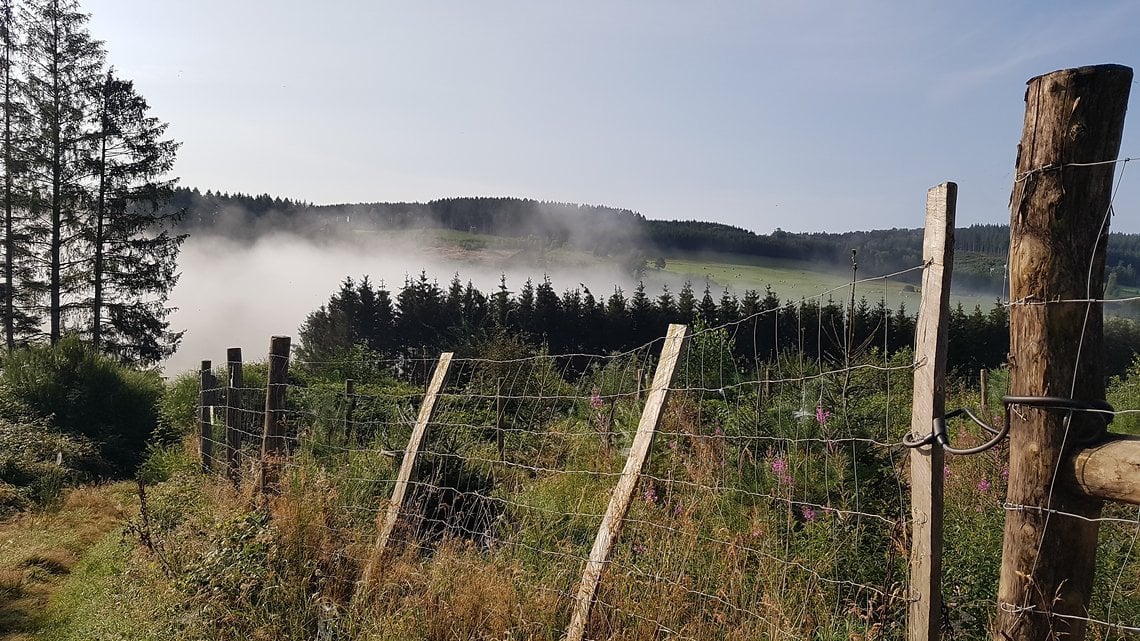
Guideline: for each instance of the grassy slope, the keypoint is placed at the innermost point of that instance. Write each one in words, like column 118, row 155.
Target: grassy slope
column 61, row 571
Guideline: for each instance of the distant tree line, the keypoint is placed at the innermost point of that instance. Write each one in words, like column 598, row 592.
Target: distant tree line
column 980, row 262
column 86, row 249
column 424, row 318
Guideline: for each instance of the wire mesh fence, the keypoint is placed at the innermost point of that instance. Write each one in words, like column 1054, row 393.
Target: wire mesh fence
column 773, row 502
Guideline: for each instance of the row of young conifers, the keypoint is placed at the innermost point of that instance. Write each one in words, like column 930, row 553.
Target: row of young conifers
column 774, row 503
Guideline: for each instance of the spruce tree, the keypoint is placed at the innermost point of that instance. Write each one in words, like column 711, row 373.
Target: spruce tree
column 64, row 66
column 133, row 251
column 16, row 297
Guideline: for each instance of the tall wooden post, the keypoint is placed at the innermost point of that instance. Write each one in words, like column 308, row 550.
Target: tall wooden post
column 1059, row 214
column 234, row 414
column 273, row 435
column 924, row 614
column 675, row 341
column 983, row 375
column 206, row 385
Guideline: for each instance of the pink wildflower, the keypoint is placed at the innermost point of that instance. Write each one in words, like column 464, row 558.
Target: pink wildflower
column 779, row 466
column 821, row 415
column 650, row 495
column 1005, row 473
column 596, row 399
column 984, row 486
column 945, row 471
column 809, row 514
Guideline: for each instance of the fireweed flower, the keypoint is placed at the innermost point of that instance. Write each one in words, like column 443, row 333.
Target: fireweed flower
column 596, row 399
column 779, row 466
column 650, row 495
column 821, row 415
column 809, row 514
column 983, row 486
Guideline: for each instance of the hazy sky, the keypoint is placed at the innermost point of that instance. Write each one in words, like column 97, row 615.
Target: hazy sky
column 801, row 115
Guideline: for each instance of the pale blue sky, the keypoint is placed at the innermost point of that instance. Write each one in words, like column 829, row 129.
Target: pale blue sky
column 807, row 116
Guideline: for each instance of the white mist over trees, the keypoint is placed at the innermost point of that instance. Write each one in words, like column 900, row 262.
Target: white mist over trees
column 84, row 168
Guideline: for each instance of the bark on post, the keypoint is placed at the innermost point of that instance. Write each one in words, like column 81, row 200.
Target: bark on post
column 233, row 414
column 206, row 386
column 1108, row 470
column 924, row 614
column 273, row 435
column 983, row 375
column 1058, row 228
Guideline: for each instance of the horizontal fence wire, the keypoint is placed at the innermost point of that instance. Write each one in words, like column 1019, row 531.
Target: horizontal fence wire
column 774, row 503
column 1113, row 611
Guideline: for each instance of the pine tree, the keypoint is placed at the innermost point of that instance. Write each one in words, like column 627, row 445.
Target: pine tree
column 63, row 78
column 18, row 271
column 134, row 255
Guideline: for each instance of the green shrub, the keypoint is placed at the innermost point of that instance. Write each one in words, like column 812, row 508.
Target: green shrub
column 36, row 463
column 85, row 393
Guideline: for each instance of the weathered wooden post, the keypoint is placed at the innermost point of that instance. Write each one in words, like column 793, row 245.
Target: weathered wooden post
column 349, row 408
column 407, row 467
column 1059, row 214
column 924, row 613
column 234, row 414
column 983, row 375
column 273, row 434
column 675, row 341
column 206, row 385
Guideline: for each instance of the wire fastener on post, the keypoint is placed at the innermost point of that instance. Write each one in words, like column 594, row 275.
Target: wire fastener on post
column 940, row 435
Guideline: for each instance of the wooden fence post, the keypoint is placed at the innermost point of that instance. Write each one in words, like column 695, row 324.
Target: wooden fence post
column 924, row 612
column 206, row 385
column 1059, row 213
column 983, row 376
column 273, row 434
column 234, row 415
column 407, row 466
column 349, row 408
column 671, row 351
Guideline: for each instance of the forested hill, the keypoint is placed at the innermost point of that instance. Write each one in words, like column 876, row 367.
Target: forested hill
column 608, row 231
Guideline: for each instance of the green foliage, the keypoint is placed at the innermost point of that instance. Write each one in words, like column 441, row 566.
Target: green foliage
column 88, row 394
column 37, row 463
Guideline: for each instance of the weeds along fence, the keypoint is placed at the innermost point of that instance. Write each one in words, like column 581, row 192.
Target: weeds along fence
column 669, row 490
column 678, row 491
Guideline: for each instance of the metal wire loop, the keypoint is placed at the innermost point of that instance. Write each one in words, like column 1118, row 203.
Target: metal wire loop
column 940, row 435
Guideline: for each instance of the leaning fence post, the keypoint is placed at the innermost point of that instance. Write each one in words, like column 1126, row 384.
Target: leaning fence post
column 671, row 351
column 924, row 613
column 206, row 385
column 407, row 465
column 273, row 434
column 1059, row 215
column 233, row 414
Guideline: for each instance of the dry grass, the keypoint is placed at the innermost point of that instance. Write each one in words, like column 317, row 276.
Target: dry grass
column 39, row 550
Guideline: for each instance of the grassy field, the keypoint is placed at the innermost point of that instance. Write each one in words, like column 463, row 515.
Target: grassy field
column 789, row 279
column 793, row 279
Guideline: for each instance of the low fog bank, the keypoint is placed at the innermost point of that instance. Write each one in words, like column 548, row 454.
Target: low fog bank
column 238, row 294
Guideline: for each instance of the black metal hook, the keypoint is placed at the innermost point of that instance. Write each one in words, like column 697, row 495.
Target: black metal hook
column 940, row 436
